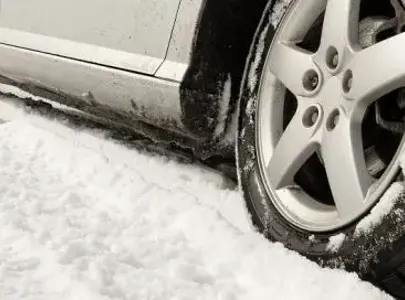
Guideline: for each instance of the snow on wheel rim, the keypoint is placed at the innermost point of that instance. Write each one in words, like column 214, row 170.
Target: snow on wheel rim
column 333, row 87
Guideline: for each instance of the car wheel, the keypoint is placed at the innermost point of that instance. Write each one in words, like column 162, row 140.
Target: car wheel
column 322, row 113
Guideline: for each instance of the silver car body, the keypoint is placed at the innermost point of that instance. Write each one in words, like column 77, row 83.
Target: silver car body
column 174, row 65
column 136, row 51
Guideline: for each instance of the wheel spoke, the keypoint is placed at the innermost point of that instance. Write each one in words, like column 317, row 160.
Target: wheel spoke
column 340, row 26
column 292, row 151
column 378, row 70
column 343, row 156
column 289, row 64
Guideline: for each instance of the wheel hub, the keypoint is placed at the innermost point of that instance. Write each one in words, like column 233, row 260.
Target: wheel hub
column 333, row 87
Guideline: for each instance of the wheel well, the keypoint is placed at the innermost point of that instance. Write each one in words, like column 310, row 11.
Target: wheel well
column 221, row 46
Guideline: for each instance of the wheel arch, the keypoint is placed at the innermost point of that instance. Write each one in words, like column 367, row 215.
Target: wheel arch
column 210, row 89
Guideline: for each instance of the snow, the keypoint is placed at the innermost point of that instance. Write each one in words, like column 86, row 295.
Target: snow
column 279, row 8
column 13, row 90
column 83, row 217
column 276, row 15
column 381, row 209
column 335, row 242
column 232, row 129
column 224, row 107
column 252, row 76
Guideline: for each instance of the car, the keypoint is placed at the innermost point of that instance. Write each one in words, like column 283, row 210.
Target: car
column 306, row 95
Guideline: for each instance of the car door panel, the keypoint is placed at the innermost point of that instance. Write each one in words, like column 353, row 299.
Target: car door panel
column 181, row 44
column 127, row 34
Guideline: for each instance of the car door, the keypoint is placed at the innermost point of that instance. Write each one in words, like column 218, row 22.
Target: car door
column 126, row 34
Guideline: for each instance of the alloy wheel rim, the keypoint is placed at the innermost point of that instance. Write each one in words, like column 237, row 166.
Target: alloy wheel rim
column 334, row 86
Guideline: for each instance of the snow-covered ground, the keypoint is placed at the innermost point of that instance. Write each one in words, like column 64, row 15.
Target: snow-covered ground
column 82, row 217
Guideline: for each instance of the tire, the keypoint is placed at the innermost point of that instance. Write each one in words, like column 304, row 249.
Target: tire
column 377, row 255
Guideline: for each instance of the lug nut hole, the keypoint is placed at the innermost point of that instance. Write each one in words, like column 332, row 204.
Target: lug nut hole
column 332, row 58
column 347, row 81
column 333, row 120
column 310, row 80
column 310, row 117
